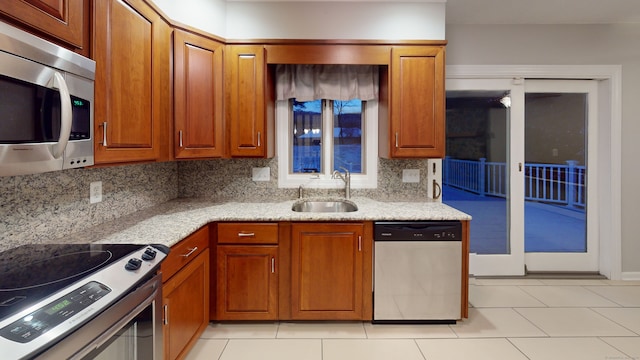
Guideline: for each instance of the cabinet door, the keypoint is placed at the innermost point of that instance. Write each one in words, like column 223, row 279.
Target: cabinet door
column 247, row 282
column 133, row 103
column 417, row 102
column 248, row 98
column 327, row 271
column 62, row 20
column 186, row 307
column 198, row 96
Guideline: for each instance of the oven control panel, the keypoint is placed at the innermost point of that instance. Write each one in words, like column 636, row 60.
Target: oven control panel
column 54, row 313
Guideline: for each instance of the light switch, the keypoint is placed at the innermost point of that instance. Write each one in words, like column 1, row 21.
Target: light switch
column 411, row 175
column 95, row 192
column 261, row 174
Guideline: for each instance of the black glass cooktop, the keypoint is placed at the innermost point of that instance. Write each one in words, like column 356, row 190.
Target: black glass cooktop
column 30, row 273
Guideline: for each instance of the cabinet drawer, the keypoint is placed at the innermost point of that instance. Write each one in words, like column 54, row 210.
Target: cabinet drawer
column 185, row 251
column 248, row 233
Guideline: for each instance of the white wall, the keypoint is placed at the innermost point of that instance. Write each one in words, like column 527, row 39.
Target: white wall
column 571, row 45
column 311, row 20
column 206, row 15
column 335, row 20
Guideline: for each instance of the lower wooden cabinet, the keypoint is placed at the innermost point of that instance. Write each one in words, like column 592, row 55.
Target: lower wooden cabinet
column 247, row 287
column 185, row 294
column 331, row 271
column 247, row 276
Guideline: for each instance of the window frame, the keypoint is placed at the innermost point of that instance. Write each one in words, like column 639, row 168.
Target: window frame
column 323, row 180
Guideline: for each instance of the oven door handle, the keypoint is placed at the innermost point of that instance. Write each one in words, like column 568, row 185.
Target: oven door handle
column 151, row 287
column 82, row 341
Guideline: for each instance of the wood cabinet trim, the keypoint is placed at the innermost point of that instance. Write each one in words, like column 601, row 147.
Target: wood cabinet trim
column 65, row 23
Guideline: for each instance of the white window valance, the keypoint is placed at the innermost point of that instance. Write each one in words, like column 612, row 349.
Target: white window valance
column 333, row 82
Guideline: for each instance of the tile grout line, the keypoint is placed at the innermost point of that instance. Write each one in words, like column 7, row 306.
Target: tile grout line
column 612, row 320
column 604, row 297
column 604, row 341
column 516, row 346
column 530, row 321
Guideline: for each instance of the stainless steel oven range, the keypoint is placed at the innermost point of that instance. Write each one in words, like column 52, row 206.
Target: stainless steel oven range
column 81, row 301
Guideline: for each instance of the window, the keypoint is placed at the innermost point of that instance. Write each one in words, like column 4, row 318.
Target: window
column 326, row 120
column 343, row 145
column 308, row 153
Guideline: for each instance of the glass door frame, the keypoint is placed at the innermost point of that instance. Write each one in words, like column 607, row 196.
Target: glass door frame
column 511, row 264
column 584, row 261
column 609, row 138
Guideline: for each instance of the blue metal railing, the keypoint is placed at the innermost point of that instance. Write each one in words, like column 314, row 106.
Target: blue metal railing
column 549, row 183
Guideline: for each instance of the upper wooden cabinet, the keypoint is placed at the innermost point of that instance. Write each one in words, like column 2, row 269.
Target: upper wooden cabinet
column 250, row 106
column 198, row 96
column 132, row 50
column 63, row 21
column 413, row 125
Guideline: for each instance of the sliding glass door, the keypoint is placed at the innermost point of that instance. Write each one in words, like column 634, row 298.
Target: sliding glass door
column 484, row 135
column 560, row 211
column 517, row 161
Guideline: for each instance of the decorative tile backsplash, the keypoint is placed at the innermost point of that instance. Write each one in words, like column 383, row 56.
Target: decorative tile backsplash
column 231, row 178
column 40, row 207
column 43, row 207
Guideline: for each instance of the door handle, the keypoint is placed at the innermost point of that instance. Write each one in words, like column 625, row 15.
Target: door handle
column 191, row 251
column 104, row 134
column 66, row 115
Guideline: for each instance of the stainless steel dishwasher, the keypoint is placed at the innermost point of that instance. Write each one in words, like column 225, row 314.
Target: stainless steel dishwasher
column 418, row 272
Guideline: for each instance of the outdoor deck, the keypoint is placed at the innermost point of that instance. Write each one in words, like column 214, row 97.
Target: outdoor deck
column 548, row 228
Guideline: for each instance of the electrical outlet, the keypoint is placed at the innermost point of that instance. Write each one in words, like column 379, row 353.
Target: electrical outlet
column 95, row 192
column 261, row 174
column 411, row 175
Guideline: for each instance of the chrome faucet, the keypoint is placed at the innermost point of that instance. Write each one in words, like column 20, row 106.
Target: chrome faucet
column 346, row 177
column 300, row 192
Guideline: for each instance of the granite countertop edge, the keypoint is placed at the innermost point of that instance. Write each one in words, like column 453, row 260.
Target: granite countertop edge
column 170, row 222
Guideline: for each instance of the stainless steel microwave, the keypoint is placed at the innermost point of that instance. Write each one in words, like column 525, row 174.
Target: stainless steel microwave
column 46, row 105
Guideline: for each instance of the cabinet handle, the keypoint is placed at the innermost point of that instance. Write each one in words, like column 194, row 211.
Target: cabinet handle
column 246, row 234
column 259, row 138
column 396, row 140
column 180, row 138
column 165, row 315
column 359, row 243
column 273, row 265
column 191, row 251
column 104, row 134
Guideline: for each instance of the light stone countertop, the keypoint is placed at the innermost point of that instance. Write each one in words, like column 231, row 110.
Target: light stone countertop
column 171, row 222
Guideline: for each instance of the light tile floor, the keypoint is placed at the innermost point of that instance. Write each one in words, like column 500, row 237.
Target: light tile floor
column 511, row 319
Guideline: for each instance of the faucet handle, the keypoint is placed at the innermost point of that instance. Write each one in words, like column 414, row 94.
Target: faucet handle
column 346, row 171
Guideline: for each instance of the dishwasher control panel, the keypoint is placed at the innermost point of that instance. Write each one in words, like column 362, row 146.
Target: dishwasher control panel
column 417, row 231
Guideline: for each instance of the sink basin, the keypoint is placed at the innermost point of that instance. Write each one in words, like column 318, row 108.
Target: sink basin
column 324, row 206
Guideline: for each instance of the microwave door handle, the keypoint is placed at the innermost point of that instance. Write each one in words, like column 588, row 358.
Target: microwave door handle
column 65, row 115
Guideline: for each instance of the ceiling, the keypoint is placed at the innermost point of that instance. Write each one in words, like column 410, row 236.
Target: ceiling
column 527, row 11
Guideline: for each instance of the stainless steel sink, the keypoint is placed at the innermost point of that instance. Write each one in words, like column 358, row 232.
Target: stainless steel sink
column 324, row 206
